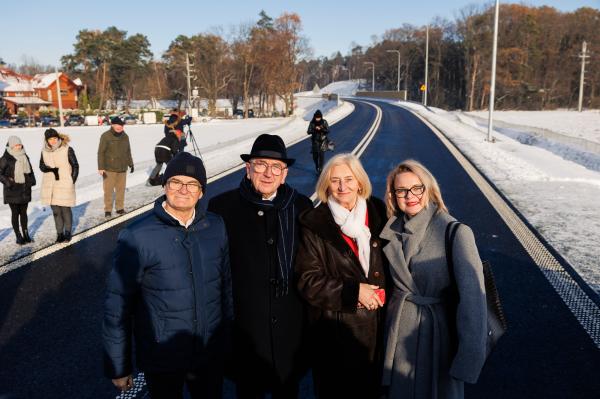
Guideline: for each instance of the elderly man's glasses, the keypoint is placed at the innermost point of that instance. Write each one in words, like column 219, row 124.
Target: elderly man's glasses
column 415, row 190
column 176, row 185
column 261, row 167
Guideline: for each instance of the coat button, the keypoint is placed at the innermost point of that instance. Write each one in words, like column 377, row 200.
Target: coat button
column 270, row 241
column 375, row 244
column 260, row 213
column 273, row 320
column 273, row 281
column 376, row 274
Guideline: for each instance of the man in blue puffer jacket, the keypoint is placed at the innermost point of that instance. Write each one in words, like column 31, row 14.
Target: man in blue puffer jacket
column 169, row 291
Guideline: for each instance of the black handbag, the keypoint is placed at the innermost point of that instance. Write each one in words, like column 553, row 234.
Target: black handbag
column 496, row 319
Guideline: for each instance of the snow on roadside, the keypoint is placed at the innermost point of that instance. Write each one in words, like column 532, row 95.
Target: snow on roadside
column 584, row 124
column 220, row 142
column 557, row 196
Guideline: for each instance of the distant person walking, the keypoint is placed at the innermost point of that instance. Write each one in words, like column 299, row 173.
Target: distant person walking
column 318, row 128
column 16, row 174
column 114, row 157
column 60, row 167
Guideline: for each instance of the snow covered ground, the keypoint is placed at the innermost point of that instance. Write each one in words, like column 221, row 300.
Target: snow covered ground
column 220, row 142
column 570, row 123
column 557, row 192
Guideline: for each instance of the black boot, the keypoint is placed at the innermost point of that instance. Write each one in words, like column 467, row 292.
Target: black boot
column 67, row 236
column 20, row 239
column 60, row 237
column 26, row 236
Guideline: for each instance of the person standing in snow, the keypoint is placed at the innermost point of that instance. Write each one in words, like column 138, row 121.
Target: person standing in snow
column 60, row 167
column 114, row 156
column 16, row 174
column 318, row 128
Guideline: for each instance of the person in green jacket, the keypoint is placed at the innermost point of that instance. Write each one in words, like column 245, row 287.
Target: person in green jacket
column 114, row 157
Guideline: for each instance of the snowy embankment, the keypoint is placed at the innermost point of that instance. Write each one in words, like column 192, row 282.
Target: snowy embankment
column 220, row 143
column 557, row 192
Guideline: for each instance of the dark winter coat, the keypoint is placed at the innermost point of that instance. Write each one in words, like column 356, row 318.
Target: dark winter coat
column 171, row 288
column 346, row 341
column 114, row 152
column 318, row 136
column 15, row 193
column 269, row 329
column 166, row 148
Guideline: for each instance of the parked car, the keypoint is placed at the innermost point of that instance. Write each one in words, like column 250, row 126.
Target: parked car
column 49, row 121
column 23, row 122
column 129, row 119
column 75, row 120
column 239, row 113
column 4, row 123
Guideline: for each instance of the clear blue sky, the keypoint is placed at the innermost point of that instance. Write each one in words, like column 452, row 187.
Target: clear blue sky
column 46, row 30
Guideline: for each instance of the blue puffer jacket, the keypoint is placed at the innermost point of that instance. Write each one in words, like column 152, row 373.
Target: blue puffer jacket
column 170, row 287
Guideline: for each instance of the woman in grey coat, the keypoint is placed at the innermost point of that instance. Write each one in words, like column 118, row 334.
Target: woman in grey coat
column 432, row 345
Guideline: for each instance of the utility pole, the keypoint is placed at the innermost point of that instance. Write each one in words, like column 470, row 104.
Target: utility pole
column 397, row 51
column 189, row 84
column 426, row 67
column 373, row 74
column 583, row 57
column 493, row 83
column 60, row 108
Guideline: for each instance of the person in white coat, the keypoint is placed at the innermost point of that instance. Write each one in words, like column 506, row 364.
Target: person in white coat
column 60, row 167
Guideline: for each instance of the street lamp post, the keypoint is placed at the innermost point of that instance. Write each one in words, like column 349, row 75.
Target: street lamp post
column 426, row 67
column 493, row 82
column 373, row 74
column 397, row 51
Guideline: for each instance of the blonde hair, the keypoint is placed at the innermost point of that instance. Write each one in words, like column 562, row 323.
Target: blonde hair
column 432, row 189
column 352, row 162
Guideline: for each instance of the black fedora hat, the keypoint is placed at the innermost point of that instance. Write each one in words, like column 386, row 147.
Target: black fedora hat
column 268, row 146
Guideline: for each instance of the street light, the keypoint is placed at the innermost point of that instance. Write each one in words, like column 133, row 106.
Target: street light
column 373, row 78
column 493, row 82
column 397, row 51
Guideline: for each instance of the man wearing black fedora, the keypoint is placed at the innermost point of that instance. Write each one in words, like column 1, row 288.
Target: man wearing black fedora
column 261, row 217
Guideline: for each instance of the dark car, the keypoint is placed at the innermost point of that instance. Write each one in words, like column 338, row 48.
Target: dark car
column 239, row 113
column 23, row 122
column 49, row 121
column 4, row 123
column 75, row 120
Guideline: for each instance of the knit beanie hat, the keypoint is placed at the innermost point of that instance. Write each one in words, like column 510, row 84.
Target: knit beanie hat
column 185, row 164
column 13, row 141
column 49, row 133
column 318, row 114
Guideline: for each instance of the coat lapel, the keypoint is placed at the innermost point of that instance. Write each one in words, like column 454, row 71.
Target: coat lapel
column 395, row 255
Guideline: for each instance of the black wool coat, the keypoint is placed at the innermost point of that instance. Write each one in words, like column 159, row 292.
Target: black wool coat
column 268, row 330
column 346, row 341
column 15, row 193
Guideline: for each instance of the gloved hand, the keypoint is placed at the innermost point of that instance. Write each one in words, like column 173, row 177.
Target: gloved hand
column 131, row 169
column 55, row 171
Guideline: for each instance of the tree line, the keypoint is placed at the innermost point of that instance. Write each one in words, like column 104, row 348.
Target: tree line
column 537, row 64
column 257, row 64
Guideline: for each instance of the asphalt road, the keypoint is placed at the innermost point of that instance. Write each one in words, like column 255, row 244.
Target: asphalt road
column 51, row 309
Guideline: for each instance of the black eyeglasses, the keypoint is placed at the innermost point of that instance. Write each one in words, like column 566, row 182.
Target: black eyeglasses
column 415, row 190
column 176, row 185
column 261, row 167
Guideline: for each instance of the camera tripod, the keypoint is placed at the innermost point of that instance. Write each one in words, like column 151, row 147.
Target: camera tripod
column 190, row 138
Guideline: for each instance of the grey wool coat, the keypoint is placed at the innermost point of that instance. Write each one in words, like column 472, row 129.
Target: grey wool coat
column 432, row 345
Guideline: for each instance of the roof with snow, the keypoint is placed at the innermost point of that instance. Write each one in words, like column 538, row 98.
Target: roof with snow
column 43, row 80
column 12, row 81
column 26, row 100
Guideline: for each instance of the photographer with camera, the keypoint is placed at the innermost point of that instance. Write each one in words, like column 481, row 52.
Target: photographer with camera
column 164, row 151
column 318, row 129
column 176, row 122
